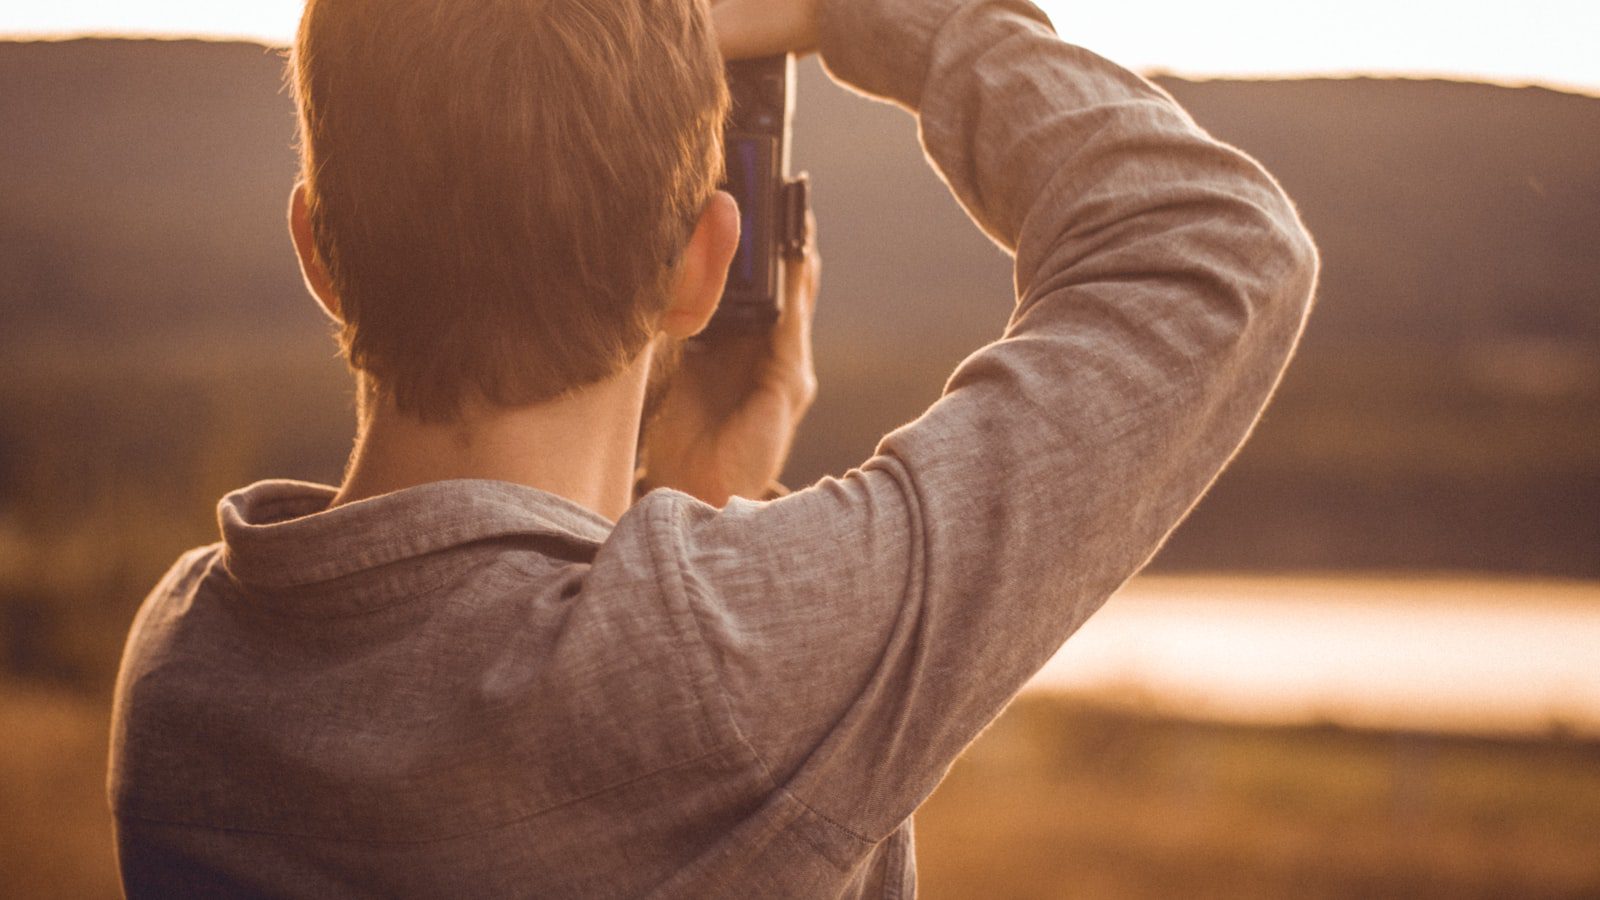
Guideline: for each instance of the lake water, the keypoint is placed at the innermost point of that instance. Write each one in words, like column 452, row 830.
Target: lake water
column 1451, row 654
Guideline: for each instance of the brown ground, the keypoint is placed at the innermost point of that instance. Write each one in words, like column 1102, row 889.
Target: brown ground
column 55, row 834
column 1061, row 800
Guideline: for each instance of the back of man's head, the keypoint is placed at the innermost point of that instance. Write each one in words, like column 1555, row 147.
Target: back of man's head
column 498, row 188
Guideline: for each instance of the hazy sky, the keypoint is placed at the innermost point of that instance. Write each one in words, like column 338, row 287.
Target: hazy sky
column 1550, row 41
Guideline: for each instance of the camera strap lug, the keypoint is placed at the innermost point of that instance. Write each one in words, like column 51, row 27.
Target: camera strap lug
column 796, row 204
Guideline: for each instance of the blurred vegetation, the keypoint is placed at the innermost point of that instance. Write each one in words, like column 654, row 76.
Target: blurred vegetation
column 55, row 836
column 111, row 468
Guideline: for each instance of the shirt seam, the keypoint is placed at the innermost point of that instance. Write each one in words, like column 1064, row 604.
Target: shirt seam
column 694, row 637
column 901, row 474
column 739, row 734
column 726, row 882
column 416, row 591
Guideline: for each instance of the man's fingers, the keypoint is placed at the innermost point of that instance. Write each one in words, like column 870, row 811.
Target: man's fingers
column 791, row 339
column 810, row 268
column 801, row 277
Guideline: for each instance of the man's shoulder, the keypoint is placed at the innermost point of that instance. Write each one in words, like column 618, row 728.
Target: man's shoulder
column 189, row 568
column 145, row 648
column 562, row 676
column 179, row 582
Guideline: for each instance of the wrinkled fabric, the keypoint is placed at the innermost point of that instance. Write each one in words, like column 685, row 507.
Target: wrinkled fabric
column 480, row 689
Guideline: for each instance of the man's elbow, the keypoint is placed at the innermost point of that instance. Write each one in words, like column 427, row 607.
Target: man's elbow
column 1305, row 265
column 1291, row 268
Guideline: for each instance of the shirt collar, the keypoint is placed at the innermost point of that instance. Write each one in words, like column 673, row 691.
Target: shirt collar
column 281, row 536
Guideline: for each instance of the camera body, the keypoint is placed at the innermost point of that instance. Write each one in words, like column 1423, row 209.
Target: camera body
column 772, row 206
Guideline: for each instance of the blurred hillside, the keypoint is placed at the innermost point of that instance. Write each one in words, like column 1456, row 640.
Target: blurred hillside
column 157, row 349
column 145, row 179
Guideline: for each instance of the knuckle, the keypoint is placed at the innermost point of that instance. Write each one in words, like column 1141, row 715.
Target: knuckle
column 807, row 388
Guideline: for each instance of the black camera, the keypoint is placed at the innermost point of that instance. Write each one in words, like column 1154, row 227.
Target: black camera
column 772, row 206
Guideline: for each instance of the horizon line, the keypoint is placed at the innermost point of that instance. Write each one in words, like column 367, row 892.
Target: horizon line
column 1557, row 85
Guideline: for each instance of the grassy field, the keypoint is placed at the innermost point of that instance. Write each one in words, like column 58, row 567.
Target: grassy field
column 55, row 833
column 1065, row 800
column 1061, row 799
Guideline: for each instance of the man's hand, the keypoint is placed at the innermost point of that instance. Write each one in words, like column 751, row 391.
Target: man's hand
column 751, row 28
column 728, row 421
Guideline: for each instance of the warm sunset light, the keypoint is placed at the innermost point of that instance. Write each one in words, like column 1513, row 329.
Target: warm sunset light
column 1504, row 656
column 1545, row 41
column 433, row 464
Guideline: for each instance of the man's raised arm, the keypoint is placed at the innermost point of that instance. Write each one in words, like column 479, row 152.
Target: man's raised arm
column 861, row 632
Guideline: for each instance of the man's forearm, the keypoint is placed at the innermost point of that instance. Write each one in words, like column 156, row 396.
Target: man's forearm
column 1162, row 281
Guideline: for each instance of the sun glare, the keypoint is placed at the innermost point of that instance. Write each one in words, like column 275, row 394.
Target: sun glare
column 1507, row 655
column 1539, row 41
column 269, row 21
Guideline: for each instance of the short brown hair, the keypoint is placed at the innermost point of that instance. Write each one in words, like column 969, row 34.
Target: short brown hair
column 499, row 188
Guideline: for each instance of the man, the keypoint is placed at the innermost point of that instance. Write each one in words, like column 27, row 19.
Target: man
column 480, row 667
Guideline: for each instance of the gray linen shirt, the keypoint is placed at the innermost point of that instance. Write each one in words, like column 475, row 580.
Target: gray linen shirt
column 478, row 689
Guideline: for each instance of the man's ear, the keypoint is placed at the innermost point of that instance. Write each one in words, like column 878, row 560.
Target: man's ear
column 305, row 246
column 703, row 268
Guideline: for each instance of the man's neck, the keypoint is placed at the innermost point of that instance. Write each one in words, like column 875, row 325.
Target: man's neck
column 581, row 446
